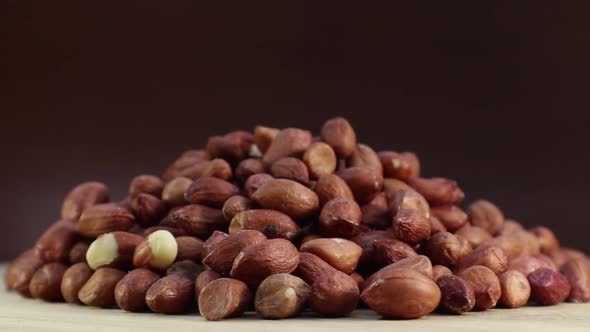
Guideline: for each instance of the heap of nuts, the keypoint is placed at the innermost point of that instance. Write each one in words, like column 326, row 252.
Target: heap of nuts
column 280, row 221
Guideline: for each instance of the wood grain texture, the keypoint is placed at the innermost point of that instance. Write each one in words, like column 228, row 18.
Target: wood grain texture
column 19, row 314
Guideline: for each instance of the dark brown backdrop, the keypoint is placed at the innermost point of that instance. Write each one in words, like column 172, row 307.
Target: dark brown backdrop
column 491, row 94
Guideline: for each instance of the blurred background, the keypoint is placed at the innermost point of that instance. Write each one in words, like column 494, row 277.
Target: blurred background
column 492, row 94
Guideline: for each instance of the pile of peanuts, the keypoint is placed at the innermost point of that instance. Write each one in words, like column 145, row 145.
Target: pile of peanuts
column 281, row 222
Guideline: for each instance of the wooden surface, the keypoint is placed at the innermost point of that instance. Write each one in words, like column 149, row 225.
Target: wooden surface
column 19, row 314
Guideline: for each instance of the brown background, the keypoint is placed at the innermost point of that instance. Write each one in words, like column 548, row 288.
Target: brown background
column 490, row 94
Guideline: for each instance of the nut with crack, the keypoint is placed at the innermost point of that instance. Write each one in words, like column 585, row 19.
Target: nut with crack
column 281, row 296
column 113, row 250
column 158, row 251
column 224, row 298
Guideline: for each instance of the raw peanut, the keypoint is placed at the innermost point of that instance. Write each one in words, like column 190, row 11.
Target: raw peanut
column 342, row 254
column 181, row 163
column 528, row 264
column 443, row 248
column 258, row 261
column 19, row 273
column 217, row 168
column 548, row 287
column 215, row 237
column 173, row 294
column 340, row 217
column 334, row 294
column 244, row 139
column 158, row 251
column 45, row 283
column 186, row 167
column 203, row 279
column 247, row 168
column 263, row 137
column 104, row 218
column 57, row 241
column 223, row 253
column 375, row 214
column 366, row 241
column 147, row 209
column 235, row 205
column 548, row 260
column 457, row 296
column 466, row 248
column 289, row 142
column 439, row 271
column 438, row 191
column 311, row 267
column 289, row 197
column 186, row 268
column 417, row 263
column 224, row 298
column 485, row 284
column 515, row 289
column 78, row 252
column 225, row 148
column 401, row 166
column 197, row 154
column 338, row 133
column 563, row 255
column 547, row 239
column 99, row 290
column 189, row 248
column 530, row 243
column 364, row 156
column 199, row 220
column 210, row 191
column 364, row 182
column 411, row 226
column 125, row 203
column 577, row 272
column 72, row 281
column 451, row 216
column 186, row 160
column 130, row 291
column 290, row 168
column 402, row 293
column 494, row 258
column 474, row 235
column 330, row 186
column 281, row 296
column 309, row 237
column 173, row 192
column 389, row 251
column 436, row 226
column 408, row 200
column 513, row 244
column 392, row 186
column 358, row 278
column 113, row 250
column 320, row 159
column 146, row 184
column 82, row 197
column 511, row 226
column 273, row 224
column 486, row 215
column 256, row 181
column 174, row 231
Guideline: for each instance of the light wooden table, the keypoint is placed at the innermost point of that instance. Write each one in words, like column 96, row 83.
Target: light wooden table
column 19, row 314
